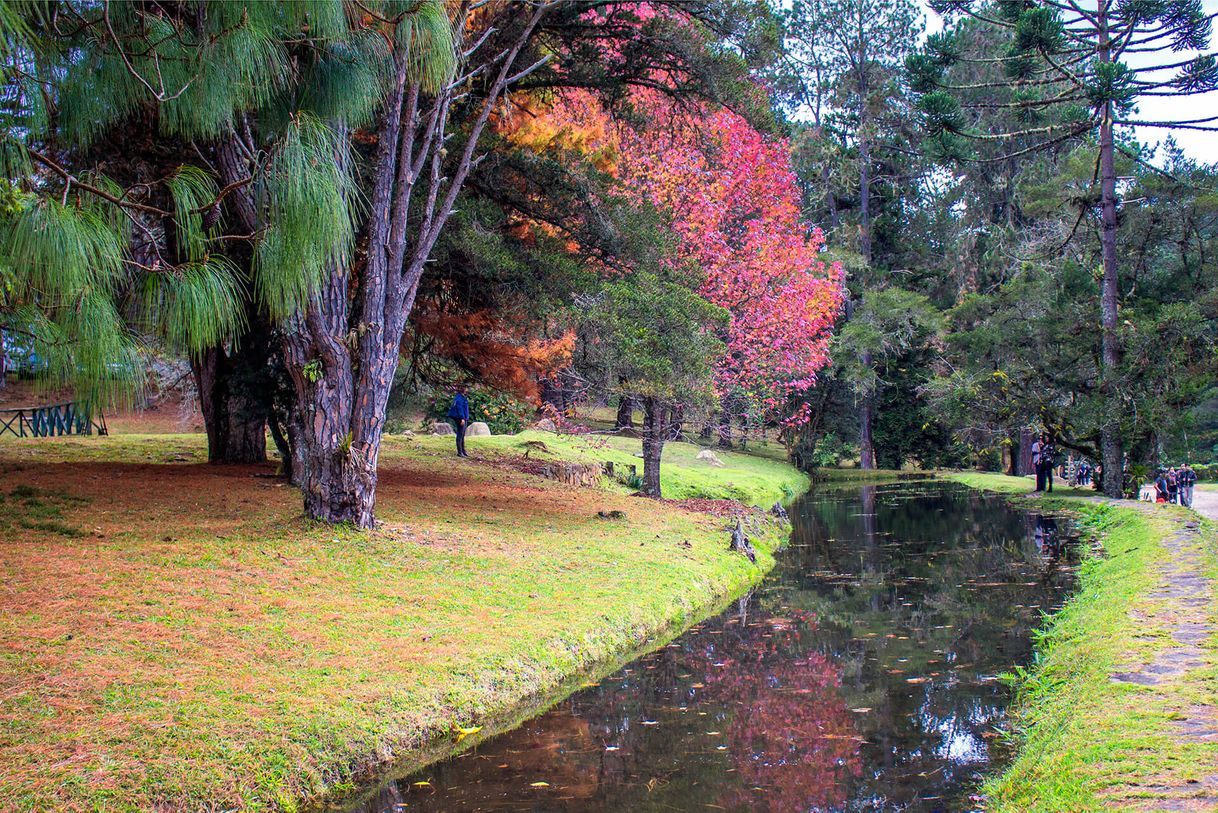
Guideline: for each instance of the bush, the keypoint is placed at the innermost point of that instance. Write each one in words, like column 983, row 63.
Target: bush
column 504, row 413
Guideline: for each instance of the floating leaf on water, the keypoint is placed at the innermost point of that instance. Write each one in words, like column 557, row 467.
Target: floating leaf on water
column 422, row 784
column 539, row 784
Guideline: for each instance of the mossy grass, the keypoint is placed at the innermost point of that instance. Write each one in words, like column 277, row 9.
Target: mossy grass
column 1087, row 741
column 203, row 646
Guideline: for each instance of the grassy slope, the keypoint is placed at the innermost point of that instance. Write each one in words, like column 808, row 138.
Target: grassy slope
column 748, row 478
column 174, row 635
column 1086, row 742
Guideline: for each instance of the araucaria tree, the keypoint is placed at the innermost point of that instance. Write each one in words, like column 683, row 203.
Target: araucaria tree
column 1073, row 70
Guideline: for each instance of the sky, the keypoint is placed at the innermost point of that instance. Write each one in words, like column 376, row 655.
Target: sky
column 1199, row 145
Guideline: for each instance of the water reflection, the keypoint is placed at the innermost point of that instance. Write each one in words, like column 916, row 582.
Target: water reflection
column 860, row 676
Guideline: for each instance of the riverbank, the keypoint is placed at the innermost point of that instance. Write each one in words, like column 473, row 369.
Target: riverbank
column 1120, row 710
column 175, row 636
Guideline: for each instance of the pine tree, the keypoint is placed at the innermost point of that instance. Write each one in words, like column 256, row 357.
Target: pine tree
column 847, row 55
column 1073, row 70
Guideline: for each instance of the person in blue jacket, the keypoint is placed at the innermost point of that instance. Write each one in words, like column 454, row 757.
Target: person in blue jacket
column 458, row 413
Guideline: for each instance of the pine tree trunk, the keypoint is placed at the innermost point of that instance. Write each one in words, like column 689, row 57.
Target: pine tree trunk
column 234, row 413
column 342, row 404
column 1111, row 451
column 653, row 445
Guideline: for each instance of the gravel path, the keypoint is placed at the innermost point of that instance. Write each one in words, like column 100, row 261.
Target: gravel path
column 1183, row 604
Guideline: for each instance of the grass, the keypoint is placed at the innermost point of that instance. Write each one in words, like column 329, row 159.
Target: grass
column 1087, row 742
column 193, row 643
column 754, row 479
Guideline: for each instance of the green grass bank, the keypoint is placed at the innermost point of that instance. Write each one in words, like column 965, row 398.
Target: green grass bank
column 175, row 636
column 1088, row 737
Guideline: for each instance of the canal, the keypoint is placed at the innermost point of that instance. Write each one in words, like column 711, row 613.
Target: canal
column 862, row 674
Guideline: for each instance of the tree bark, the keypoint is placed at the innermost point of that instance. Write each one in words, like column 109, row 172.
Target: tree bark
column 1111, row 451
column 725, row 428
column 866, row 425
column 625, row 413
column 653, row 445
column 233, row 400
column 339, row 478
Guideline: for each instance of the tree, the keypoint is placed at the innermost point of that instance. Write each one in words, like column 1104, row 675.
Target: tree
column 1025, row 352
column 659, row 337
column 886, row 325
column 846, row 56
column 181, row 158
column 730, row 196
column 1078, row 70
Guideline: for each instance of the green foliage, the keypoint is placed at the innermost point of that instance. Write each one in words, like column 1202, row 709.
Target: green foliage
column 658, row 337
column 199, row 305
column 308, row 193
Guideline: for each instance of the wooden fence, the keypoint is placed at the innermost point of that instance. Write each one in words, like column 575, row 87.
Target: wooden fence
column 48, row 421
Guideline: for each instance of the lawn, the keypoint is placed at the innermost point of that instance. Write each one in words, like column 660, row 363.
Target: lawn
column 1087, row 741
column 175, row 635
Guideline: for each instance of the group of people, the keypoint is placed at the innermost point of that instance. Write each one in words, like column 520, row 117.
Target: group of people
column 1083, row 473
column 1043, row 452
column 1175, row 485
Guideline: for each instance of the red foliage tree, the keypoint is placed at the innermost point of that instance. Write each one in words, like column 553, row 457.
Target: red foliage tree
column 730, row 196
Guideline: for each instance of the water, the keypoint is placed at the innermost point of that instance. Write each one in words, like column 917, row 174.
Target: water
column 861, row 675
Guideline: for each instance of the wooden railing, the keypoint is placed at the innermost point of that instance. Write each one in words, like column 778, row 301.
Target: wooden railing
column 48, row 421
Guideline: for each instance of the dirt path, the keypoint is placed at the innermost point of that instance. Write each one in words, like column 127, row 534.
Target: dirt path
column 1183, row 603
column 1205, row 503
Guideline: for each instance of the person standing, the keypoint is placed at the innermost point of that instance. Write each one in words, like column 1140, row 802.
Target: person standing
column 1173, row 486
column 458, row 413
column 1188, row 479
column 1038, row 448
column 1047, row 453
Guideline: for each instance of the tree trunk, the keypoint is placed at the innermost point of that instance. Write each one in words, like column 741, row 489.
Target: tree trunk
column 339, row 478
column 676, row 422
column 625, row 412
column 866, row 442
column 3, row 362
column 725, row 428
column 234, row 384
column 1111, row 450
column 866, row 423
column 233, row 400
column 653, row 445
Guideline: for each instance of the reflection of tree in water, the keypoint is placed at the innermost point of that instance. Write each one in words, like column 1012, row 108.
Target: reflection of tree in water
column 859, row 677
column 791, row 738
column 760, row 722
column 923, row 594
